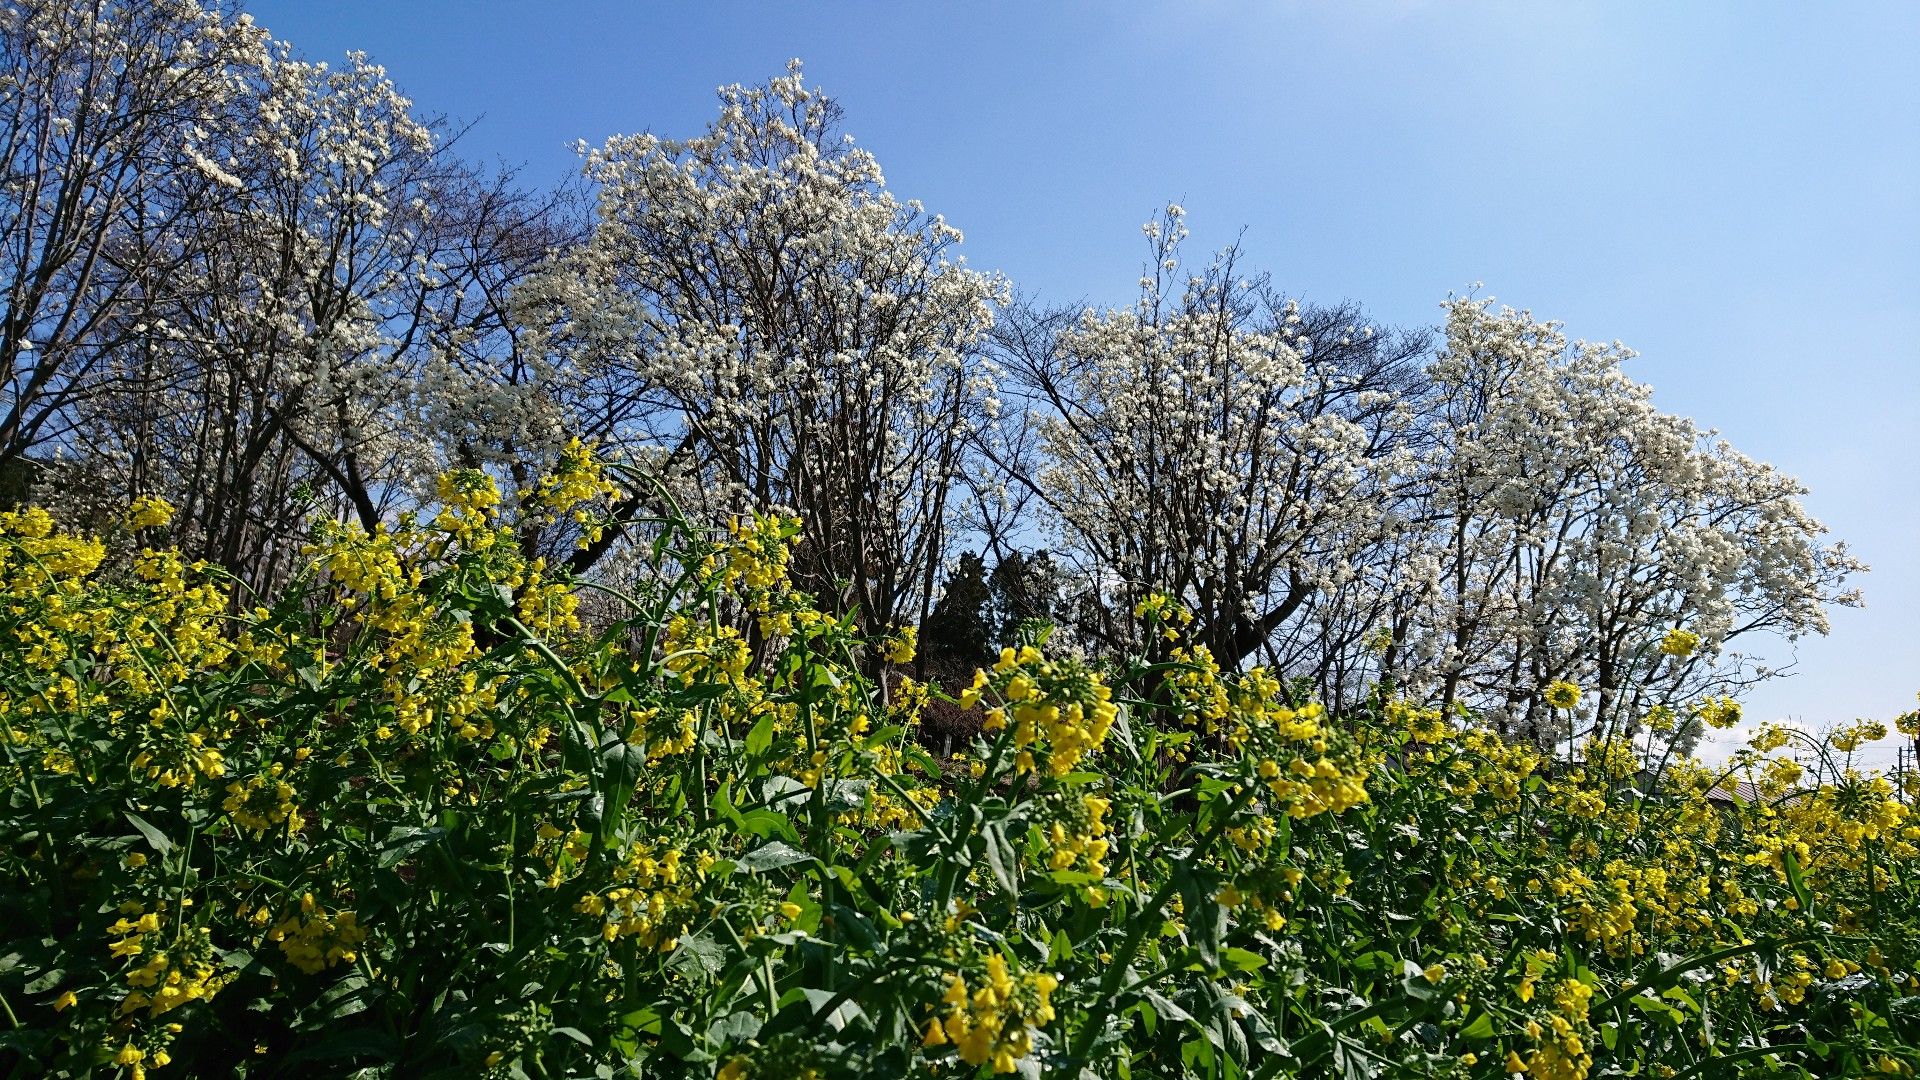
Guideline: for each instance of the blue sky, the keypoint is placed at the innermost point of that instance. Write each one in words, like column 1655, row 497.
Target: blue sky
column 1733, row 189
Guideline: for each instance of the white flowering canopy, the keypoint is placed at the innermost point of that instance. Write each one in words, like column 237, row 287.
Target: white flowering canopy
column 247, row 261
column 759, row 311
column 1570, row 523
column 259, row 285
column 105, row 112
column 1201, row 442
column 1468, row 527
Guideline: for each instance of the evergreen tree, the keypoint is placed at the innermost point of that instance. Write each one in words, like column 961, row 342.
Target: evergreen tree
column 959, row 634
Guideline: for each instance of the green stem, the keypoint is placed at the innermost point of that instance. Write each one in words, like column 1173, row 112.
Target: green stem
column 1744, row 1055
column 1122, row 959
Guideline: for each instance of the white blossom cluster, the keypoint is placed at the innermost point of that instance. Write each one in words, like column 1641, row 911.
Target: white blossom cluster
column 754, row 301
column 1566, row 523
column 1470, row 525
column 1198, row 442
column 103, row 111
column 282, row 251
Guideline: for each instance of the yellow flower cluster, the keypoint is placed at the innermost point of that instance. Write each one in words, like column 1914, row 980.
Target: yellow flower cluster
column 110, row 651
column 900, row 646
column 470, row 491
column 1718, row 712
column 1197, row 693
column 1421, row 725
column 164, row 973
column 756, row 554
column 173, row 758
column 419, row 650
column 1265, row 890
column 1077, row 839
column 1163, row 611
column 314, row 940
column 1287, row 749
column 1849, row 738
column 174, row 977
column 993, row 1023
column 1060, row 710
column 264, row 803
column 1690, row 880
column 652, row 899
column 1561, row 694
column 1312, row 783
column 38, row 556
column 578, row 478
column 278, row 751
column 696, row 651
column 547, row 607
column 1679, row 643
column 147, row 512
column 1908, row 724
column 1561, row 1053
column 367, row 564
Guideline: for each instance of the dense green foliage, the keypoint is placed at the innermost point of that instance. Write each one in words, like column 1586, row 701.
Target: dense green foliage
column 431, row 812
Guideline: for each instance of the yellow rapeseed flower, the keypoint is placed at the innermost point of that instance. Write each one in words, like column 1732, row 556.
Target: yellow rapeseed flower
column 1561, row 694
column 1679, row 643
column 148, row 512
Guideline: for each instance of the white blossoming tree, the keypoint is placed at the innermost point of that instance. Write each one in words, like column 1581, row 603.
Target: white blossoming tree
column 1203, row 442
column 758, row 315
column 1569, row 523
column 260, row 286
column 1512, row 512
column 313, row 251
column 104, row 108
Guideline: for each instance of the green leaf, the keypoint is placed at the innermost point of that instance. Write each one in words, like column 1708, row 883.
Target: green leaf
column 772, row 856
column 644, row 1020
column 406, row 840
column 883, row 736
column 913, row 752
column 354, row 1043
column 1797, row 881
column 764, row 823
column 761, row 736
column 154, row 836
column 1376, row 960
column 701, row 952
column 1060, row 949
column 777, row 790
column 1652, row 1005
column 1413, row 981
column 1000, row 856
column 620, row 766
column 845, row 795
column 1242, row 959
column 1678, row 993
column 733, row 1028
column 1121, row 734
column 46, row 981
column 842, row 1014
column 1164, row 1005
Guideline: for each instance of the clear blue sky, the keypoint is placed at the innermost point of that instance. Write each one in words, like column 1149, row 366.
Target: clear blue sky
column 1731, row 188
